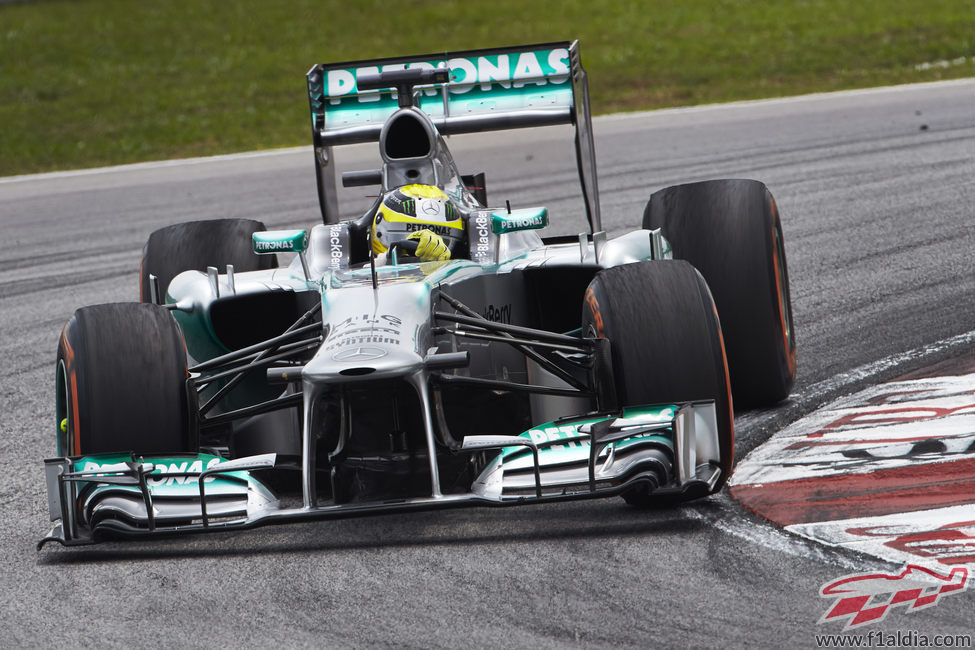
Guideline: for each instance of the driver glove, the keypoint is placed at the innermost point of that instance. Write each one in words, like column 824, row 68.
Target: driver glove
column 430, row 246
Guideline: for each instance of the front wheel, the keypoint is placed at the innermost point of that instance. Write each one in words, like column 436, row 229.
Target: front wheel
column 666, row 343
column 731, row 232
column 121, row 382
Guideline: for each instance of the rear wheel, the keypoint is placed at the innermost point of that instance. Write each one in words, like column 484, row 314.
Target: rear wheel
column 666, row 343
column 195, row 245
column 731, row 232
column 121, row 376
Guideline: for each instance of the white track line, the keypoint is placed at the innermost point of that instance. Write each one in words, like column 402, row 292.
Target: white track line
column 779, row 540
column 157, row 164
column 818, row 393
column 793, row 99
column 811, row 97
column 823, row 388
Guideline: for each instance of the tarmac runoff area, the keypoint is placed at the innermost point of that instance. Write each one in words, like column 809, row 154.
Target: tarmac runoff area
column 888, row 471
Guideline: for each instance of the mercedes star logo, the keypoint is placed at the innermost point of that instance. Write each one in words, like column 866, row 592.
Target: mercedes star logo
column 359, row 354
column 430, row 207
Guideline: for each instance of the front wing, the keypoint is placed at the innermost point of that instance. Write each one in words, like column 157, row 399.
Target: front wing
column 667, row 449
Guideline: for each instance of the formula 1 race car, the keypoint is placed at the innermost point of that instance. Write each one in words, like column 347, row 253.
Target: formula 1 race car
column 523, row 369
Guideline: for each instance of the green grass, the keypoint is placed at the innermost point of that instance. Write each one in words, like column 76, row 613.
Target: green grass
column 89, row 83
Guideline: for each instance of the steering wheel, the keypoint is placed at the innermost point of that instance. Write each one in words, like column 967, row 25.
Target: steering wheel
column 407, row 246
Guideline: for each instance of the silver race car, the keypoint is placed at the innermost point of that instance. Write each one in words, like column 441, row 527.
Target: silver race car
column 361, row 376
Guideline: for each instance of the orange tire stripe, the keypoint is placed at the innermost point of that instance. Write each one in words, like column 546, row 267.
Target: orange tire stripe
column 789, row 351
column 731, row 408
column 74, row 414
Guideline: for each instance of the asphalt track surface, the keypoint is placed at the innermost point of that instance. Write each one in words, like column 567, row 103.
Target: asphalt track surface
column 877, row 195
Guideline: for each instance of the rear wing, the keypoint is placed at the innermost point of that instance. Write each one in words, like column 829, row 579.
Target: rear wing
column 489, row 90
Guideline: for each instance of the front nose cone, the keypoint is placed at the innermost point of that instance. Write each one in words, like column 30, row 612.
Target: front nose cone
column 362, row 361
column 372, row 333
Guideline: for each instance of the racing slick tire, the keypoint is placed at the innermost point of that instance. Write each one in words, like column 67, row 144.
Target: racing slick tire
column 121, row 382
column 195, row 245
column 666, row 345
column 731, row 232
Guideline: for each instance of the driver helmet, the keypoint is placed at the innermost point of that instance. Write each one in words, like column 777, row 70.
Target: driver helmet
column 410, row 208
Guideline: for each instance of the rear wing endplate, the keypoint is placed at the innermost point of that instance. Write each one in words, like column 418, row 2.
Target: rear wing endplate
column 489, row 90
